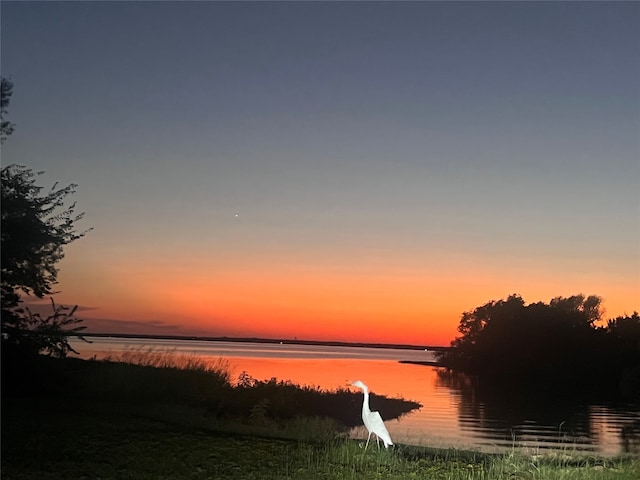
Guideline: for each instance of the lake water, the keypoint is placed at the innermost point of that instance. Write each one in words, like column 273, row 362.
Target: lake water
column 451, row 415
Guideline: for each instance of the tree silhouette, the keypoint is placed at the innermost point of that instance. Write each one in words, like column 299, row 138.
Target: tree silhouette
column 623, row 351
column 35, row 227
column 559, row 344
column 6, row 90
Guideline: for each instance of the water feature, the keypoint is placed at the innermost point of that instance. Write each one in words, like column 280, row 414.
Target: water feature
column 452, row 415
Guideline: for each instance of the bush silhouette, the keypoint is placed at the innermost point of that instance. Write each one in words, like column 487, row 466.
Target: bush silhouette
column 558, row 345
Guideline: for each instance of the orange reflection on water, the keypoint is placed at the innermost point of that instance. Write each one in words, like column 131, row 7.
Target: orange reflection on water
column 382, row 376
column 430, row 425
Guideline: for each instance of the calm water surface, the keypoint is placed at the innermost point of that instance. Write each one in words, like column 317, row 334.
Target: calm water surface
column 451, row 415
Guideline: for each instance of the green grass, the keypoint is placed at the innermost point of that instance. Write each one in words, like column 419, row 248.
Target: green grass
column 110, row 420
column 66, row 441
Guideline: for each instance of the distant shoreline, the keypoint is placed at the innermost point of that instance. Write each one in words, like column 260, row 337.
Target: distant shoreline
column 424, row 363
column 283, row 341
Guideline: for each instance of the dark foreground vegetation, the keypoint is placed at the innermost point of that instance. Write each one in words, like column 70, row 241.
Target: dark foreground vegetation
column 168, row 417
column 146, row 378
column 559, row 348
column 94, row 441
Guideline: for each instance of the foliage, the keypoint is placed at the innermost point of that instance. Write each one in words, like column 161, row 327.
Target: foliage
column 163, row 378
column 560, row 344
column 48, row 335
column 283, row 400
column 6, row 90
column 34, row 233
column 93, row 447
column 623, row 351
column 35, row 228
column 152, row 357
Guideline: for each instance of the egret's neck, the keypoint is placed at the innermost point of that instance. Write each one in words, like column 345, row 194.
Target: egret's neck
column 365, row 403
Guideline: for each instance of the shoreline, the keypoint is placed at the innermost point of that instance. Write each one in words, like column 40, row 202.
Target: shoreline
column 281, row 341
column 425, row 363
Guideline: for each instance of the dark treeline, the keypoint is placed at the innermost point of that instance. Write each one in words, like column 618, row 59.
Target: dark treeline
column 555, row 348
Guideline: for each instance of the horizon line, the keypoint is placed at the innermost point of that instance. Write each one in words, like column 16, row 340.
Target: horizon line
column 294, row 341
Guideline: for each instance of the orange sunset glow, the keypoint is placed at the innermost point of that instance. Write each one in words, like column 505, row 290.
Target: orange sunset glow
column 371, row 302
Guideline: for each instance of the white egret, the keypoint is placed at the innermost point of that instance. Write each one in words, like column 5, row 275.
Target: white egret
column 372, row 420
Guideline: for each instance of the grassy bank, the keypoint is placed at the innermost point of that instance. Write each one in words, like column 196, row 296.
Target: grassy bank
column 66, row 441
column 110, row 420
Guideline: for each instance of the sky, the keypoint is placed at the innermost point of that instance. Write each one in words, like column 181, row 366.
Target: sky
column 355, row 171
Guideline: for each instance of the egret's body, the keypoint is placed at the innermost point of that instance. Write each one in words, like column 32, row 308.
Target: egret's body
column 372, row 420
